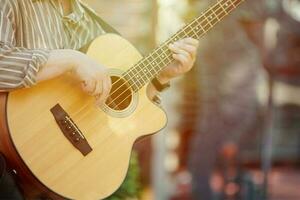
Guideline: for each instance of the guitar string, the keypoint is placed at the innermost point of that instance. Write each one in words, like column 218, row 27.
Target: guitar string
column 168, row 41
column 172, row 38
column 192, row 31
column 83, row 108
column 221, row 7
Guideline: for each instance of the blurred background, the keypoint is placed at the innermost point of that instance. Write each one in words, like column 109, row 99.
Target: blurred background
column 234, row 120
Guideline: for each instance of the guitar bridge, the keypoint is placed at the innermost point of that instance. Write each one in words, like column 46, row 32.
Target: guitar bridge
column 70, row 130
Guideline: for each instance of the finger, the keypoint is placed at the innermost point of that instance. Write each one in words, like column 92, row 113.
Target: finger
column 98, row 89
column 177, row 50
column 105, row 92
column 191, row 41
column 192, row 50
column 183, row 60
column 109, row 81
column 89, row 86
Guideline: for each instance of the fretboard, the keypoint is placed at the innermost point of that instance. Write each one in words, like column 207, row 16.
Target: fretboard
column 150, row 66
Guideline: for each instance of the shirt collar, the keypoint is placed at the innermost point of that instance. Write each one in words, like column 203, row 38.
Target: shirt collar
column 77, row 14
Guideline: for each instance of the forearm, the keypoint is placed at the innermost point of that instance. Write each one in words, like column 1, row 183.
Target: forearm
column 59, row 62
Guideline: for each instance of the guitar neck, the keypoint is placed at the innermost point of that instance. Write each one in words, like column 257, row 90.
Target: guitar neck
column 147, row 68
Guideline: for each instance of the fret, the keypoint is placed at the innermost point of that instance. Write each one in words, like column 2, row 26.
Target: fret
column 158, row 67
column 211, row 16
column 221, row 5
column 232, row 3
column 160, row 62
column 140, row 71
column 203, row 23
column 204, row 31
column 144, row 78
column 146, row 63
column 146, row 70
column 134, row 87
column 143, row 74
column 160, row 52
column 174, row 38
column 166, row 56
column 152, row 64
column 153, row 72
column 166, row 53
column 209, row 23
column 136, row 78
column 182, row 34
column 155, row 59
column 129, row 80
column 194, row 30
column 206, row 26
column 228, row 7
column 186, row 31
column 194, row 33
column 128, row 76
column 220, row 12
column 217, row 17
column 167, row 60
column 197, row 29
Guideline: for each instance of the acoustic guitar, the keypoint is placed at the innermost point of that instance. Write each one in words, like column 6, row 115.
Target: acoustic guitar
column 62, row 146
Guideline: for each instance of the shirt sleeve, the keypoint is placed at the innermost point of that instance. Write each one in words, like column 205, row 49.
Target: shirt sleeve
column 18, row 65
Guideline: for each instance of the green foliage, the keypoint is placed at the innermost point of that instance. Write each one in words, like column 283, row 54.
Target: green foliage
column 130, row 189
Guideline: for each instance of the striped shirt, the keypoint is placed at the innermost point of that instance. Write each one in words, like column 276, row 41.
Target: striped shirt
column 30, row 29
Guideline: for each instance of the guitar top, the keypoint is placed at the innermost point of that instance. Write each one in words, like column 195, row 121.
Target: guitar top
column 64, row 146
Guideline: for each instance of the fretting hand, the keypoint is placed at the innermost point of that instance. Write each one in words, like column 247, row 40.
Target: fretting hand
column 184, row 52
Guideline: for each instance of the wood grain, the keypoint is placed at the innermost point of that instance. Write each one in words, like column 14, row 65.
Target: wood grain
column 50, row 156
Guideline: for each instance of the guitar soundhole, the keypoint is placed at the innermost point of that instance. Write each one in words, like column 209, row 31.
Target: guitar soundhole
column 120, row 95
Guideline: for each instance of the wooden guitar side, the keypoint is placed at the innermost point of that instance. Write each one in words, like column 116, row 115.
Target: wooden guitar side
column 53, row 161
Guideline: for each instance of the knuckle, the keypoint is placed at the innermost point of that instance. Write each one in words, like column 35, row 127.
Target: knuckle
column 185, row 60
column 184, row 45
column 193, row 49
column 185, row 54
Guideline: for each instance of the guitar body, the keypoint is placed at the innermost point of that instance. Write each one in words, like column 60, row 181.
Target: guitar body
column 61, row 145
column 32, row 138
